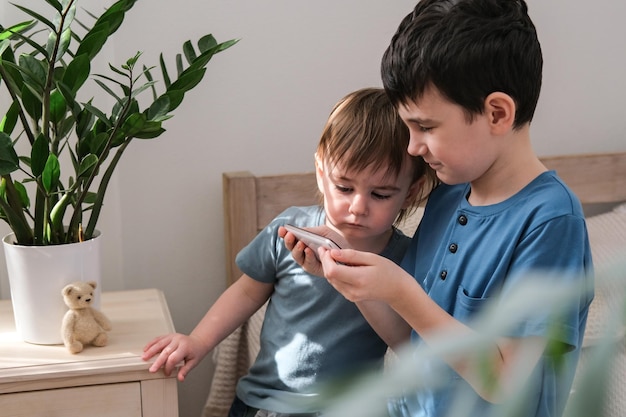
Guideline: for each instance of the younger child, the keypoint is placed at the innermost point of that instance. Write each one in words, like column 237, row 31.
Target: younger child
column 311, row 334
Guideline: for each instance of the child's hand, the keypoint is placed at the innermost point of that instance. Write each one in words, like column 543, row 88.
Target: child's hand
column 172, row 350
column 304, row 255
column 301, row 253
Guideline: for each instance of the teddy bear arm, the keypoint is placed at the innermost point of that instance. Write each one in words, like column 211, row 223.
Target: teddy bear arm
column 102, row 320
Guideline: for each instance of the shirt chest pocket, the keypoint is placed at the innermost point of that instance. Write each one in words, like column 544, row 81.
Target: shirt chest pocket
column 467, row 306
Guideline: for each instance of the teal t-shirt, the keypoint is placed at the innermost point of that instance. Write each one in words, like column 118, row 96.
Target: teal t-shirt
column 311, row 334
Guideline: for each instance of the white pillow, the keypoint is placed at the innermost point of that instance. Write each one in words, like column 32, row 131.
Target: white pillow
column 607, row 236
column 621, row 208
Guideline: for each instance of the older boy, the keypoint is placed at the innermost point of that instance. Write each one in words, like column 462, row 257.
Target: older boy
column 465, row 76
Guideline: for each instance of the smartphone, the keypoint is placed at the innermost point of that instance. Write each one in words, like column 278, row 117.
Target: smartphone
column 312, row 240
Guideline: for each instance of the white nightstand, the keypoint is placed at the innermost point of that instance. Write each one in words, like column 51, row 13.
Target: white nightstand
column 38, row 380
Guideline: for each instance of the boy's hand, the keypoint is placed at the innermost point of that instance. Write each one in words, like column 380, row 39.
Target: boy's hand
column 362, row 276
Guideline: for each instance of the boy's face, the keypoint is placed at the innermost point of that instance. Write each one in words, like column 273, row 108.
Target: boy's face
column 458, row 150
column 363, row 205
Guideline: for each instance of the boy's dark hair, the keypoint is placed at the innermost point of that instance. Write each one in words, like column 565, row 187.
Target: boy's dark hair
column 466, row 49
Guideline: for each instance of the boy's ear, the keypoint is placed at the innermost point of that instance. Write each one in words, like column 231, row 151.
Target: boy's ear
column 319, row 173
column 500, row 109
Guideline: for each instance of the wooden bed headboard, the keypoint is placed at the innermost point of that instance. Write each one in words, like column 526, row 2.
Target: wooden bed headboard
column 251, row 202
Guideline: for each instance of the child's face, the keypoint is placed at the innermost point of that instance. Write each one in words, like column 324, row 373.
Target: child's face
column 363, row 205
column 459, row 151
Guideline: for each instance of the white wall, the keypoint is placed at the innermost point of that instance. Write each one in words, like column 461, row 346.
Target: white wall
column 262, row 105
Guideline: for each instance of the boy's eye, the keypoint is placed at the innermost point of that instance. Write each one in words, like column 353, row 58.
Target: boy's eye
column 425, row 129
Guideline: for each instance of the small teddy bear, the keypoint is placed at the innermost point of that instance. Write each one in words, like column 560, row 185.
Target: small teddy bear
column 83, row 324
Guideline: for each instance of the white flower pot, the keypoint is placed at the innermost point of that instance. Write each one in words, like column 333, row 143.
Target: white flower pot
column 37, row 275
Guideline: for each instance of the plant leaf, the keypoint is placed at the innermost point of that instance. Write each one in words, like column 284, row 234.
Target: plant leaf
column 166, row 76
column 98, row 113
column 21, row 190
column 9, row 161
column 150, row 134
column 66, row 39
column 188, row 80
column 225, row 45
column 31, row 103
column 87, row 165
column 65, row 16
column 130, row 62
column 33, row 44
column 58, row 106
column 62, row 24
column 39, row 155
column 159, row 108
column 17, row 28
column 34, row 71
column 90, row 198
column 98, row 142
column 206, row 42
column 105, row 25
column 114, row 15
column 51, row 173
column 150, row 130
column 77, row 72
column 190, row 54
column 92, row 43
column 134, row 124
column 65, row 126
column 108, row 90
column 12, row 75
column 36, row 15
column 143, row 87
column 83, row 123
column 55, row 4
column 206, row 55
column 176, row 97
column 9, row 121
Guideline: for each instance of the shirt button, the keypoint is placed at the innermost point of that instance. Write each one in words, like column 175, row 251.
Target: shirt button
column 462, row 220
column 453, row 247
column 443, row 274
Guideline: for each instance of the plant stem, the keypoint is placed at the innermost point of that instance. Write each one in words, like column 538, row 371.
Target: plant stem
column 97, row 206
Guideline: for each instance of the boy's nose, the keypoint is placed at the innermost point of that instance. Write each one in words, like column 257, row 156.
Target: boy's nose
column 416, row 147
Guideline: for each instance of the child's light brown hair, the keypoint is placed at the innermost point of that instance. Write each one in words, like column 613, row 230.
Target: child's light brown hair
column 363, row 131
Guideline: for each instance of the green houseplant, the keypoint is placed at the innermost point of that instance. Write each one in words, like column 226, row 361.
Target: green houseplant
column 44, row 63
column 59, row 148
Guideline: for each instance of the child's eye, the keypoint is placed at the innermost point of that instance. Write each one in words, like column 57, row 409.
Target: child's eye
column 425, row 129
column 343, row 189
column 379, row 196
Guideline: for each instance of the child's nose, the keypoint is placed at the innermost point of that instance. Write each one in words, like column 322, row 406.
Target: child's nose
column 358, row 206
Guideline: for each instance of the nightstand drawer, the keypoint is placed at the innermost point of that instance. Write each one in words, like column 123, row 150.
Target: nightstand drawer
column 119, row 400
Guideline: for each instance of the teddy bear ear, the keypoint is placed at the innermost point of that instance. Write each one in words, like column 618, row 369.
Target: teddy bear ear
column 93, row 284
column 67, row 290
